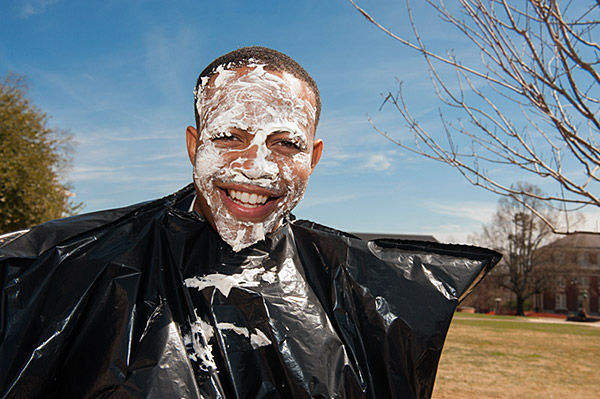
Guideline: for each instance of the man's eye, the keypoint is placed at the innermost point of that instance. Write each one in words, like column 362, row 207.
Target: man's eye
column 289, row 144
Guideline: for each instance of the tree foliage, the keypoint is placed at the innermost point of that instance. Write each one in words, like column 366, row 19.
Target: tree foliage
column 530, row 102
column 519, row 234
column 33, row 160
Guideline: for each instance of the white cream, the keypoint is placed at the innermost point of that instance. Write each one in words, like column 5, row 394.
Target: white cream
column 224, row 282
column 260, row 103
column 238, row 330
column 259, row 339
column 201, row 333
column 269, row 277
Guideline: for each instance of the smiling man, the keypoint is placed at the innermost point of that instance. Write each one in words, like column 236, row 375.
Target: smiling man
column 254, row 146
column 215, row 292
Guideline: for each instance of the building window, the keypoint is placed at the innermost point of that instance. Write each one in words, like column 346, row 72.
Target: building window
column 561, row 302
column 561, row 282
column 584, row 282
column 580, row 258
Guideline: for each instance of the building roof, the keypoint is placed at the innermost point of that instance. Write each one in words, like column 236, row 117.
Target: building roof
column 416, row 237
column 578, row 240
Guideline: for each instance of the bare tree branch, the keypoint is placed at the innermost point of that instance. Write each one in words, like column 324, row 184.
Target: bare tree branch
column 539, row 55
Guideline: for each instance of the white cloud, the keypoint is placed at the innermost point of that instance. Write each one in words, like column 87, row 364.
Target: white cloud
column 316, row 201
column 180, row 156
column 379, row 162
column 94, row 173
column 481, row 212
column 358, row 160
column 162, row 46
column 340, row 156
column 33, row 7
column 591, row 222
column 107, row 137
column 27, row 11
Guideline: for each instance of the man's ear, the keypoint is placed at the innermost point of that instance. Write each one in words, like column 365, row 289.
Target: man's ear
column 191, row 138
column 316, row 154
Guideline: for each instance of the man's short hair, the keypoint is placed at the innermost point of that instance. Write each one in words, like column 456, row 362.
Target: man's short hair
column 272, row 59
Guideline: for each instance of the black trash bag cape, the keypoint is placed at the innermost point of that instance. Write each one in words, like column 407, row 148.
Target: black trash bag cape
column 148, row 302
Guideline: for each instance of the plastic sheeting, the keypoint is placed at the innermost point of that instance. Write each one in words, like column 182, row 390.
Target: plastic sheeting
column 148, row 302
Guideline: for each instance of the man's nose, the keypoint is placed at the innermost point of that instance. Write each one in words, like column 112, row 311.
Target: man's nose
column 248, row 158
column 254, row 163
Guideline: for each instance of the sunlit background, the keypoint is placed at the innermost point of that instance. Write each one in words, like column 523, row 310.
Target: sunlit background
column 120, row 74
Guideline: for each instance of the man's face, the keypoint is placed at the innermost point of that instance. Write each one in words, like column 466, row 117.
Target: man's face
column 254, row 151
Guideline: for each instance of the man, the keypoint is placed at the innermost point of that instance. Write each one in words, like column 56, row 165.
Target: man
column 215, row 291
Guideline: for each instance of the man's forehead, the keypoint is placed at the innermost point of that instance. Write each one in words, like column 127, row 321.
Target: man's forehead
column 234, row 95
column 253, row 74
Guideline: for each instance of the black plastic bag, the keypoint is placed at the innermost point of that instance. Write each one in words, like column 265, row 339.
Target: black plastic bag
column 148, row 301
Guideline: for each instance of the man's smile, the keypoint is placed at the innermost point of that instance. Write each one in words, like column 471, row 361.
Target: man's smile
column 248, row 202
column 246, row 199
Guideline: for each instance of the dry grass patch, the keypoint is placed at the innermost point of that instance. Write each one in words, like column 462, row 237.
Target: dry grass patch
column 513, row 358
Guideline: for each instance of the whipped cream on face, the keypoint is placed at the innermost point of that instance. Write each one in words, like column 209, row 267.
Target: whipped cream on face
column 260, row 103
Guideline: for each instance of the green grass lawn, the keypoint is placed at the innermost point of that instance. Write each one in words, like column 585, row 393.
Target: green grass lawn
column 510, row 357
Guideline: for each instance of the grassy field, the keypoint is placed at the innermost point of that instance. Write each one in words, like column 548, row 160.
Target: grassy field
column 506, row 357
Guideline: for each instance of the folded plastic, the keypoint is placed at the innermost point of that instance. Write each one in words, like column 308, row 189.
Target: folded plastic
column 147, row 301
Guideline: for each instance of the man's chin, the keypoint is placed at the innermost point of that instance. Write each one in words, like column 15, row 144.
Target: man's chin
column 241, row 226
column 240, row 234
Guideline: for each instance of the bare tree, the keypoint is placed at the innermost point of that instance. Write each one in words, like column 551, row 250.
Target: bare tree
column 519, row 235
column 538, row 56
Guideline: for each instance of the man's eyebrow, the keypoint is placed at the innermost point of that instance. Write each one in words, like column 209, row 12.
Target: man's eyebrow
column 293, row 133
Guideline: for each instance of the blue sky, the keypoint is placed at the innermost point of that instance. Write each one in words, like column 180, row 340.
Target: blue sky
column 120, row 75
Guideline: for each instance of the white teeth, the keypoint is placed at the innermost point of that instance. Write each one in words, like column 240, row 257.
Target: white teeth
column 247, row 199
